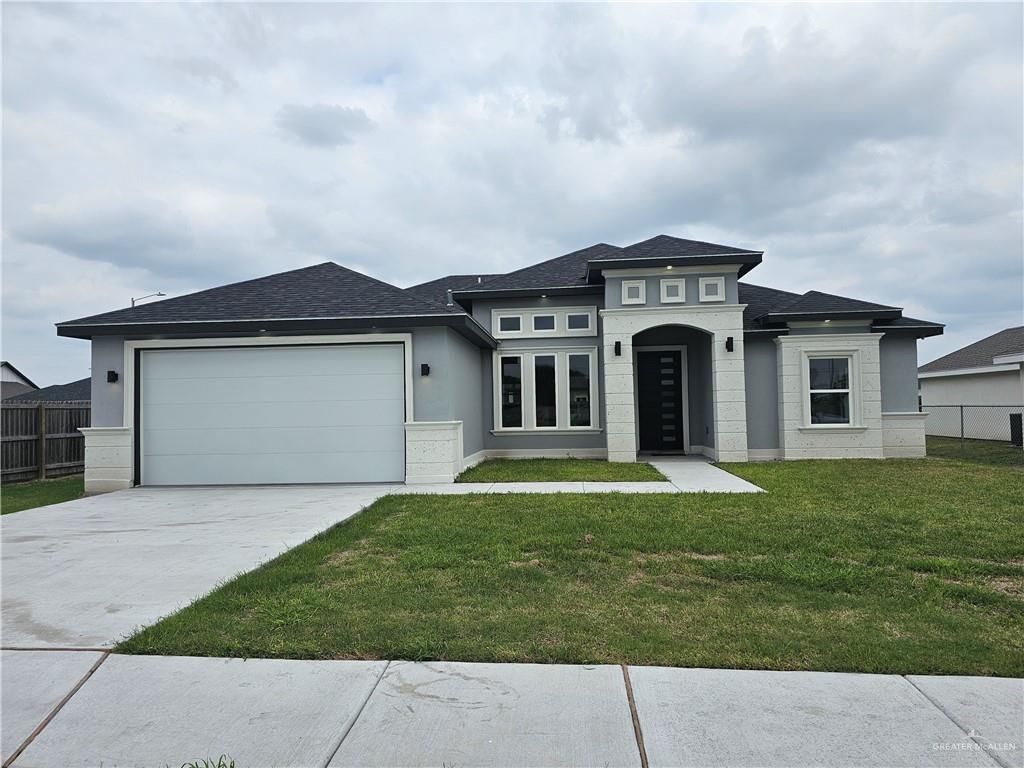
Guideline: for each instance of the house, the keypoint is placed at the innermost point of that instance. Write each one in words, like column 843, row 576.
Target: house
column 75, row 391
column 324, row 374
column 984, row 374
column 13, row 382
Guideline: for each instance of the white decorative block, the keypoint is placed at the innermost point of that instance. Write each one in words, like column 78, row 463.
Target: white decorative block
column 108, row 459
column 433, row 451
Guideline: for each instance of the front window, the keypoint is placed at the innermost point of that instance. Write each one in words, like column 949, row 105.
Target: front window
column 545, row 391
column 829, row 379
column 579, row 390
column 511, row 392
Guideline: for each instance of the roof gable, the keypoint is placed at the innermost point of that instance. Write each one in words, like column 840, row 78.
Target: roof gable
column 565, row 271
column 980, row 354
column 668, row 247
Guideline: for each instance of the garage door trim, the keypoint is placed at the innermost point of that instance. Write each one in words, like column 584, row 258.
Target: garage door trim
column 133, row 348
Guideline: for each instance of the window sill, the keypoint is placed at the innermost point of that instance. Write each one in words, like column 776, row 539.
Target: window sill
column 832, row 428
column 542, row 431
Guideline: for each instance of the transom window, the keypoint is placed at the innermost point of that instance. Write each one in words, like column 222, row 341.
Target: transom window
column 829, row 390
column 577, row 321
column 557, row 392
column 510, row 323
column 543, row 322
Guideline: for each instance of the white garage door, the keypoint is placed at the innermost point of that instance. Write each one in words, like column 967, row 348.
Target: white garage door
column 240, row 415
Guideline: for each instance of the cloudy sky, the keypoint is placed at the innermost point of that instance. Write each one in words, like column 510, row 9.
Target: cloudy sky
column 869, row 150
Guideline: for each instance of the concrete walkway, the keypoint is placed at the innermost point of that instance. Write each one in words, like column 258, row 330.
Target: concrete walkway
column 156, row 711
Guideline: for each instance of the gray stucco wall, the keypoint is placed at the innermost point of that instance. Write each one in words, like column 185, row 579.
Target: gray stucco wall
column 107, row 399
column 698, row 375
column 613, row 290
column 898, row 365
column 760, row 361
column 466, row 361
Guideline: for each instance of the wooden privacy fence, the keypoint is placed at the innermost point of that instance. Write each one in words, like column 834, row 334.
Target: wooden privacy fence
column 42, row 439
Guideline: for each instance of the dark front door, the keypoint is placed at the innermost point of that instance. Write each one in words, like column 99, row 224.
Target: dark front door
column 659, row 400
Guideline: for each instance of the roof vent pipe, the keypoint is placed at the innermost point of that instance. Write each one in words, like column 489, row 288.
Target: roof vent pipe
column 450, row 302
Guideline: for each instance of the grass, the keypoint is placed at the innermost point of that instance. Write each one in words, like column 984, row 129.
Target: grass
column 981, row 451
column 912, row 566
column 16, row 497
column 558, row 471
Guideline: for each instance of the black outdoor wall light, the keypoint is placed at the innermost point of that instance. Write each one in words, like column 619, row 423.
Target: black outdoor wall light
column 618, row 349
column 728, row 344
column 111, row 377
column 424, row 369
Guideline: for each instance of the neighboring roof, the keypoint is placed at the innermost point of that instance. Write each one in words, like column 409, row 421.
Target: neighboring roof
column 437, row 290
column 324, row 295
column 665, row 249
column 980, row 354
column 75, row 391
column 568, row 271
column 22, row 376
column 818, row 303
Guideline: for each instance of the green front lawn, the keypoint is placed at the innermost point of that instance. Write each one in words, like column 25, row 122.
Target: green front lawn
column 558, row 471
column 981, row 451
column 912, row 566
column 15, row 497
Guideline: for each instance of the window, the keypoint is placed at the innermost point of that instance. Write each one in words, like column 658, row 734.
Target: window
column 578, row 322
column 634, row 292
column 712, row 289
column 579, row 390
column 544, row 391
column 543, row 322
column 673, row 291
column 510, row 324
column 511, row 392
column 829, row 390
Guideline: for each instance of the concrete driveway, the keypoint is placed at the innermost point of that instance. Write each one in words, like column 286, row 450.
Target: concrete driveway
column 86, row 573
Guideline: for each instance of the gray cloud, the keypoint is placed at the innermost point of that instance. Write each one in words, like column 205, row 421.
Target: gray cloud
column 872, row 150
column 322, row 125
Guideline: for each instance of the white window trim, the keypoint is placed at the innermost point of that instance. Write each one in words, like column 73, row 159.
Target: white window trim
column 526, row 315
column 856, row 416
column 528, row 367
column 533, row 385
column 668, row 281
column 588, row 331
column 627, row 284
column 592, row 354
column 705, row 282
column 545, row 331
column 498, row 400
column 497, row 324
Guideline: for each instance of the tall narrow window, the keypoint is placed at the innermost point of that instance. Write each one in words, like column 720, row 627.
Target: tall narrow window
column 545, row 392
column 511, row 392
column 579, row 390
column 829, row 379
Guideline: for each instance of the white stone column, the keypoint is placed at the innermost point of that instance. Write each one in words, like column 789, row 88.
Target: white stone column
column 108, row 459
column 729, row 392
column 433, row 451
column 619, row 397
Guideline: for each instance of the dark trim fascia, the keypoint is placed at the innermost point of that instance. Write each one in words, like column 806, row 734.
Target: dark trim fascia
column 462, row 324
column 854, row 314
column 766, row 332
column 918, row 331
column 746, row 260
column 515, row 293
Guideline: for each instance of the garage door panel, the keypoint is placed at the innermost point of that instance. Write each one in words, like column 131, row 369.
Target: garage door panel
column 334, row 413
column 263, row 440
column 266, row 468
column 320, row 414
column 258, row 362
column 273, row 389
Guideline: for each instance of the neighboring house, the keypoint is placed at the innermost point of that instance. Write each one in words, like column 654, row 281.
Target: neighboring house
column 323, row 374
column 989, row 372
column 13, row 382
column 76, row 391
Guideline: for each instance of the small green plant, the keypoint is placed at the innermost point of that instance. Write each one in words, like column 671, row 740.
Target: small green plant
column 222, row 762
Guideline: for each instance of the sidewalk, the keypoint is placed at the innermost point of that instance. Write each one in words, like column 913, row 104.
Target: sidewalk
column 146, row 710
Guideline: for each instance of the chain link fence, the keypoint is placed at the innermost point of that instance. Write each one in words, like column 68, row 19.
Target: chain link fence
column 991, row 433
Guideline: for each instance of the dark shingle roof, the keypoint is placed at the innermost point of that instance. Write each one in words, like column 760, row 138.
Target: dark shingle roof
column 668, row 247
column 760, row 301
column 816, row 302
column 979, row 354
column 565, row 271
column 325, row 290
column 80, row 390
column 437, row 290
